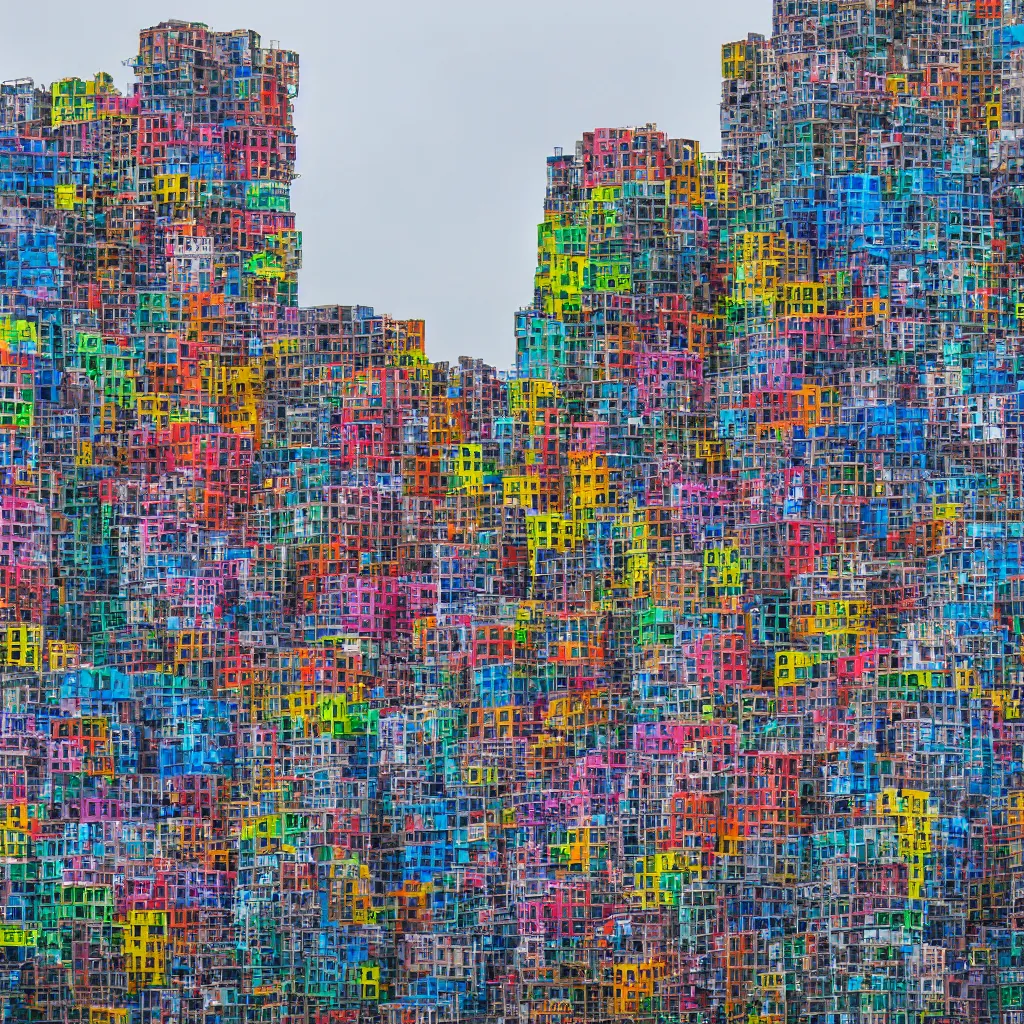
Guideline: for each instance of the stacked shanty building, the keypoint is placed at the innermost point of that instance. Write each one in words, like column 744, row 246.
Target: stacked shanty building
column 673, row 676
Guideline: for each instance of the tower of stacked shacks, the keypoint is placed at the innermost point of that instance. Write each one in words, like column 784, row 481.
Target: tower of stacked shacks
column 674, row 677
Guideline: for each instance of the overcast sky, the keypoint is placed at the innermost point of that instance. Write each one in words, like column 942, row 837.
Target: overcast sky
column 424, row 125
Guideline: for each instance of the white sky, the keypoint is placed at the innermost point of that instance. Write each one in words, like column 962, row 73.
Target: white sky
column 424, row 125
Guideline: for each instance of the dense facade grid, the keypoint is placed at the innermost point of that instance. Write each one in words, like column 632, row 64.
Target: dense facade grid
column 674, row 676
